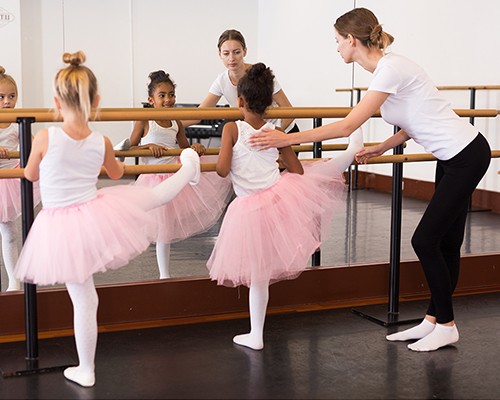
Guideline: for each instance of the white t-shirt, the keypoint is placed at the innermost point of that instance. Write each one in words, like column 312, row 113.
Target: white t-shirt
column 415, row 105
column 223, row 86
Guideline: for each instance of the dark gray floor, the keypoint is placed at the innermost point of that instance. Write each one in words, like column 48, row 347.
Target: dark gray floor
column 329, row 354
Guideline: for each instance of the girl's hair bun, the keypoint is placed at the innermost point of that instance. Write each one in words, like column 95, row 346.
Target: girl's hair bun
column 75, row 58
column 2, row 70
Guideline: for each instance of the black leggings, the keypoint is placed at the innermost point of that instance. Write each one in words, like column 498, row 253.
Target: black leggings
column 439, row 235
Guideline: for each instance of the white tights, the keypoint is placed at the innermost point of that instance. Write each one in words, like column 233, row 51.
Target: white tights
column 163, row 258
column 345, row 158
column 10, row 253
column 258, row 299
column 85, row 302
column 188, row 173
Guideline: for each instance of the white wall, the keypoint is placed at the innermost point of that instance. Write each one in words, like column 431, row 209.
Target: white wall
column 453, row 40
column 10, row 42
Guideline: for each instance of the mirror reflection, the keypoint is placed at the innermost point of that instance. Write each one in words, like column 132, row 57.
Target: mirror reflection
column 308, row 71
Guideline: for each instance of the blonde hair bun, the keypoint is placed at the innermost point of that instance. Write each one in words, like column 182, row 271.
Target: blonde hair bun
column 75, row 58
column 2, row 70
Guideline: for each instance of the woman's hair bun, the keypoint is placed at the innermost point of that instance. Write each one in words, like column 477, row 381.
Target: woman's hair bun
column 75, row 58
column 2, row 70
column 375, row 34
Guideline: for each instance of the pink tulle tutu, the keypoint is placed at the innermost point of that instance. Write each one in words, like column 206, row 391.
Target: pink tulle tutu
column 269, row 236
column 69, row 244
column 10, row 198
column 194, row 210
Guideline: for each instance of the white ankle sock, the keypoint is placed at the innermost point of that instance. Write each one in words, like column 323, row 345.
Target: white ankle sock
column 441, row 336
column 417, row 332
column 259, row 296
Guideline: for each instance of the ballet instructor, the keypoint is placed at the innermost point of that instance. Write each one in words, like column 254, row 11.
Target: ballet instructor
column 232, row 50
column 408, row 98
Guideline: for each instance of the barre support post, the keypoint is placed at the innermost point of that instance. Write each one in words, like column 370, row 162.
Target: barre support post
column 317, row 153
column 27, row 220
column 391, row 317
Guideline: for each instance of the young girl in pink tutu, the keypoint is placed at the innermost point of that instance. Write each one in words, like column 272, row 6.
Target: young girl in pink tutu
column 10, row 189
column 197, row 208
column 277, row 221
column 81, row 230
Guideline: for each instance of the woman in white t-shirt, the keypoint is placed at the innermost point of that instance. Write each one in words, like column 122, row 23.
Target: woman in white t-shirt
column 232, row 50
column 407, row 98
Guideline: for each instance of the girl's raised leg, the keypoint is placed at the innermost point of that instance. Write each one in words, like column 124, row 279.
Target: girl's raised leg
column 188, row 173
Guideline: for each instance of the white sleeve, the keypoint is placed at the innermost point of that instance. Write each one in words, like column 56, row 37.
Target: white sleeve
column 277, row 86
column 386, row 79
column 216, row 87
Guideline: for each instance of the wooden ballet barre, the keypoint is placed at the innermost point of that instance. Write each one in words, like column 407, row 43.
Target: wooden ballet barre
column 210, row 151
column 207, row 167
column 144, row 114
column 481, row 87
column 215, row 151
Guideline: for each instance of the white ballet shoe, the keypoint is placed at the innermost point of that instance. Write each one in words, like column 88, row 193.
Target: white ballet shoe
column 123, row 145
column 190, row 157
column 83, row 379
column 14, row 288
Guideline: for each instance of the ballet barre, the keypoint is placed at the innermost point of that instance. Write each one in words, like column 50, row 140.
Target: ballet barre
column 145, row 114
column 131, row 170
column 209, row 151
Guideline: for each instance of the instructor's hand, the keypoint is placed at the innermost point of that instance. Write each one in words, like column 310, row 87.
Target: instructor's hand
column 269, row 138
column 363, row 155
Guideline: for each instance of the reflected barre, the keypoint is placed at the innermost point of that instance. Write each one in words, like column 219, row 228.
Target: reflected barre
column 144, row 114
column 481, row 87
column 211, row 151
column 131, row 170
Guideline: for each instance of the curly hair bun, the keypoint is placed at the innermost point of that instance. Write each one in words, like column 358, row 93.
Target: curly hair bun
column 77, row 58
column 158, row 75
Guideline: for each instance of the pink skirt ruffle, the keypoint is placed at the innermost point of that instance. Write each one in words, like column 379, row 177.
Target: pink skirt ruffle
column 269, row 236
column 194, row 210
column 70, row 244
column 10, row 198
